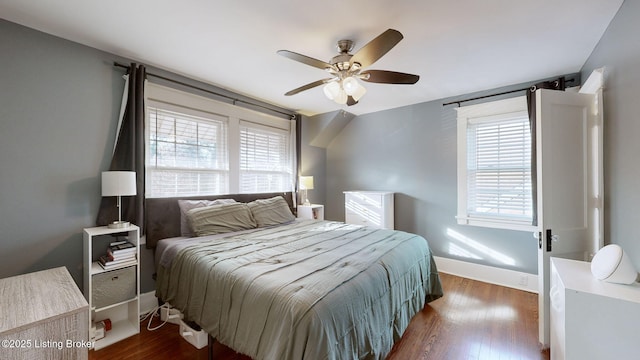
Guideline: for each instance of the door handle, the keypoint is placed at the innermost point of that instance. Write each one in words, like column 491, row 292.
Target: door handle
column 538, row 235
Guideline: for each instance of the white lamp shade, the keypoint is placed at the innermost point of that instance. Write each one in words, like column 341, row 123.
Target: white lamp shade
column 360, row 91
column 331, row 90
column 118, row 183
column 611, row 264
column 341, row 98
column 306, row 182
column 350, row 85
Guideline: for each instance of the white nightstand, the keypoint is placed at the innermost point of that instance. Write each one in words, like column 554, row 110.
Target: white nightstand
column 313, row 211
column 112, row 293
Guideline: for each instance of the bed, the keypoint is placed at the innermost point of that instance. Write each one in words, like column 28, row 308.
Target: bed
column 288, row 288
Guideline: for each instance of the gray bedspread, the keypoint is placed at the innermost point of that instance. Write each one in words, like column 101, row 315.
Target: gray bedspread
column 305, row 290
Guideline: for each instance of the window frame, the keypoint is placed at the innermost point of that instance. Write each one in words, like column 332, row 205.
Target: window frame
column 196, row 105
column 493, row 111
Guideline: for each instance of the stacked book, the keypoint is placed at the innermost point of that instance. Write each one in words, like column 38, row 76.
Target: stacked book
column 118, row 254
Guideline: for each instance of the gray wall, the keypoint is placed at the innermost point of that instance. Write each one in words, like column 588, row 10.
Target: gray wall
column 58, row 111
column 619, row 52
column 412, row 152
column 313, row 163
column 59, row 105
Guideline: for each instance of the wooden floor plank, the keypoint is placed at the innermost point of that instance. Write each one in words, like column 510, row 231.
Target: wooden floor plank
column 474, row 320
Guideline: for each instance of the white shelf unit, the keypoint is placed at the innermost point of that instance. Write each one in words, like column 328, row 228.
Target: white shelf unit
column 591, row 319
column 313, row 211
column 125, row 314
column 369, row 208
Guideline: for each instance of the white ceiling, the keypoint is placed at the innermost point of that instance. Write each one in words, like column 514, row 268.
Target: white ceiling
column 457, row 47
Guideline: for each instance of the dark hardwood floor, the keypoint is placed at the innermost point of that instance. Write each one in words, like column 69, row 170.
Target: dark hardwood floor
column 474, row 320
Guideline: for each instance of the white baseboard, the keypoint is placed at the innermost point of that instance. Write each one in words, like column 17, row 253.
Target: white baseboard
column 493, row 275
column 148, row 302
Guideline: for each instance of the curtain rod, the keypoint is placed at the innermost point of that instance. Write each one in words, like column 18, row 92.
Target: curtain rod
column 233, row 99
column 498, row 94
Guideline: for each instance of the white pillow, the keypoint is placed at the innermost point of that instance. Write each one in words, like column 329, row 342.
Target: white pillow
column 186, row 205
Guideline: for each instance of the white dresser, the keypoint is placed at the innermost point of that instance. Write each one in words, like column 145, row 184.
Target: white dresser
column 43, row 315
column 369, row 208
column 592, row 319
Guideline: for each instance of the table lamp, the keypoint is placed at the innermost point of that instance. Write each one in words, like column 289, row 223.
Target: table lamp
column 118, row 183
column 306, row 183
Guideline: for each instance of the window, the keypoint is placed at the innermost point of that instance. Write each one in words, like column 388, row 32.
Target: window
column 494, row 165
column 264, row 158
column 187, row 155
column 198, row 146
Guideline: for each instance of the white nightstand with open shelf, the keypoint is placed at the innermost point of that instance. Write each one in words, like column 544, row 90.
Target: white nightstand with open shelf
column 112, row 294
column 313, row 211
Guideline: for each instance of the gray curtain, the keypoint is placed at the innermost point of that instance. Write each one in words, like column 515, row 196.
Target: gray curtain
column 558, row 84
column 129, row 155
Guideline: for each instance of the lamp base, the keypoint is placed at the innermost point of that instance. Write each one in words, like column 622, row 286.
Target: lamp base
column 119, row 225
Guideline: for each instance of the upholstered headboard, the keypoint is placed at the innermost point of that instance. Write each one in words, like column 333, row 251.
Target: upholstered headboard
column 163, row 214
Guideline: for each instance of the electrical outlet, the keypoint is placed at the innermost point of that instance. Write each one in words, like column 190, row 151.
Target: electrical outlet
column 170, row 315
column 524, row 280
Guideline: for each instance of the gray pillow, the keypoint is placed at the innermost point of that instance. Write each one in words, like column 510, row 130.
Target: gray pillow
column 186, row 205
column 220, row 219
column 273, row 211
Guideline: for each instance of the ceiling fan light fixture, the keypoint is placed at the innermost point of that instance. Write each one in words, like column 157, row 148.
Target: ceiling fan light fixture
column 350, row 85
column 346, row 69
column 332, row 90
column 341, row 98
column 359, row 93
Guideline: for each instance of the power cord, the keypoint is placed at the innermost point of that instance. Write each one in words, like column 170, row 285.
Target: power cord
column 156, row 313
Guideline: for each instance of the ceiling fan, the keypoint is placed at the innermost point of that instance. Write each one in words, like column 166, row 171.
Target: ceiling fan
column 345, row 68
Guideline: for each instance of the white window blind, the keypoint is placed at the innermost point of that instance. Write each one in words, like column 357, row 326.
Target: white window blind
column 494, row 165
column 265, row 160
column 499, row 168
column 187, row 154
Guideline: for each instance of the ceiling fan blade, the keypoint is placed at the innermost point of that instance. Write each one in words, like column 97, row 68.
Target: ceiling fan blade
column 305, row 59
column 389, row 77
column 376, row 48
column 351, row 101
column 307, row 86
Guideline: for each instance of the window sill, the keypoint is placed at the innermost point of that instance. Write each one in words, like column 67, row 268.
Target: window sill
column 496, row 223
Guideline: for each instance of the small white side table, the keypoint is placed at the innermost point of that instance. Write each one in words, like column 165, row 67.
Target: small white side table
column 121, row 283
column 313, row 211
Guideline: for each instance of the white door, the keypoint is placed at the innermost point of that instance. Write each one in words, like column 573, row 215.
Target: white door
column 565, row 216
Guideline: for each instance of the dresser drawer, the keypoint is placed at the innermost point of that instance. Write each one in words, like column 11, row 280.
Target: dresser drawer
column 363, row 218
column 364, row 199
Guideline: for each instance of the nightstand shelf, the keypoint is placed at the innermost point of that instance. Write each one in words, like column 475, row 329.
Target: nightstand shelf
column 112, row 293
column 313, row 211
